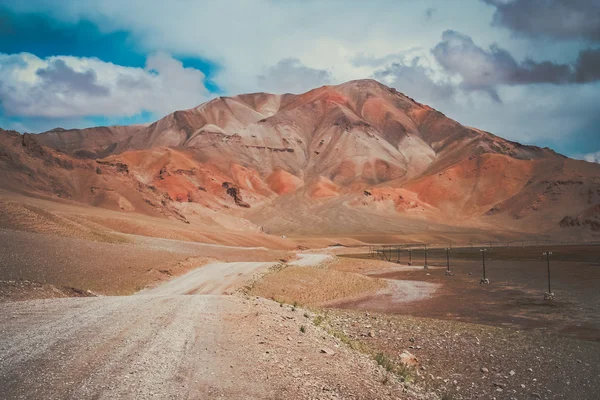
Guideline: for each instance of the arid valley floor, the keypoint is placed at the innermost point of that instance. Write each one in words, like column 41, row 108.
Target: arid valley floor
column 247, row 322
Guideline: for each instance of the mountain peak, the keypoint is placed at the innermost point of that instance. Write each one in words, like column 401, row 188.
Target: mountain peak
column 360, row 148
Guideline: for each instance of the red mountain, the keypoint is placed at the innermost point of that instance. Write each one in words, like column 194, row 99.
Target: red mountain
column 356, row 159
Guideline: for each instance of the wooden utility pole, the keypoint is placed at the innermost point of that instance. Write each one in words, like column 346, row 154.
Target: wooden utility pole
column 549, row 295
column 484, row 280
column 448, row 262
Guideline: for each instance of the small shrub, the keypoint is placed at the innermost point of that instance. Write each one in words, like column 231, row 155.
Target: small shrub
column 384, row 362
column 303, row 329
column 405, row 373
column 318, row 320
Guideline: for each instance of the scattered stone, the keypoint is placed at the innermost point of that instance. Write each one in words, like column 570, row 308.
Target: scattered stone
column 484, row 370
column 327, row 351
column 371, row 334
column 408, row 359
column 512, row 372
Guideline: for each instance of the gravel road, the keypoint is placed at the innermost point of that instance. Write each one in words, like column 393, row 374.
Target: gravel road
column 164, row 344
column 154, row 345
column 119, row 347
column 216, row 278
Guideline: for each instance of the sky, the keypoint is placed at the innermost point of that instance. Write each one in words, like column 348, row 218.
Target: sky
column 526, row 70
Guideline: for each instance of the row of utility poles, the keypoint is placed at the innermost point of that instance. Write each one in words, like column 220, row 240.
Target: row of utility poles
column 484, row 280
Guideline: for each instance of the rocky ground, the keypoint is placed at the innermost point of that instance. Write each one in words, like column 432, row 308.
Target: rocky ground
column 453, row 359
column 469, row 361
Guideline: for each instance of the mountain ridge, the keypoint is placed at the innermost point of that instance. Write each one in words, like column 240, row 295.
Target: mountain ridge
column 324, row 150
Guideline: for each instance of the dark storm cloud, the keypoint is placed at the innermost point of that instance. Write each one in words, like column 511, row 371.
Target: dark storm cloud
column 58, row 76
column 559, row 19
column 484, row 69
column 588, row 66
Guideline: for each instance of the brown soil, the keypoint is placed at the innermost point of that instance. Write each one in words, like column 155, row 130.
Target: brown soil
column 26, row 290
column 107, row 268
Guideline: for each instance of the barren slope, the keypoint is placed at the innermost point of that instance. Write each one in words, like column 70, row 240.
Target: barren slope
column 330, row 161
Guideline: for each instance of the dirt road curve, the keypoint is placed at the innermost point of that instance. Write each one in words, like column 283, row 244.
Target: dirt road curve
column 217, row 278
column 165, row 345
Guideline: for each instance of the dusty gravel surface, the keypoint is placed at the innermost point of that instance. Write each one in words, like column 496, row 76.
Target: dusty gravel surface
column 215, row 278
column 179, row 346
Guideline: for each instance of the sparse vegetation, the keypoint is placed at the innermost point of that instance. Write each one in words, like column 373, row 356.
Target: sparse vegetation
column 403, row 372
column 353, row 344
column 384, row 362
column 303, row 329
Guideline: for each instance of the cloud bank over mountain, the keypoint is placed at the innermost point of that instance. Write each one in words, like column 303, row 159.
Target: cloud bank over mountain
column 525, row 69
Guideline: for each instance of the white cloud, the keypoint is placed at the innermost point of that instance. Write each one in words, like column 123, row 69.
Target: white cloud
column 247, row 37
column 64, row 86
column 592, row 157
